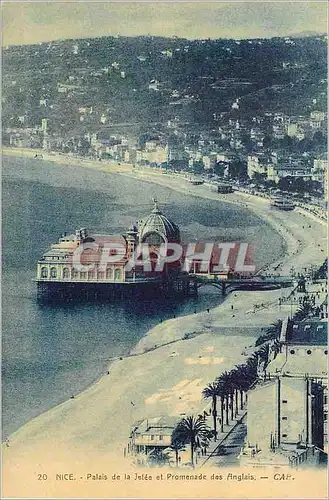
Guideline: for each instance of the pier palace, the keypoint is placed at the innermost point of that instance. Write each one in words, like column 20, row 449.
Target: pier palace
column 95, row 263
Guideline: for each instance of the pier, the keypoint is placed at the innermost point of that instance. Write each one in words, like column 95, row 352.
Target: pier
column 255, row 282
column 182, row 285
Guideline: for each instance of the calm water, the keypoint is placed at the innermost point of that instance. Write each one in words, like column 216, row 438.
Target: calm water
column 53, row 351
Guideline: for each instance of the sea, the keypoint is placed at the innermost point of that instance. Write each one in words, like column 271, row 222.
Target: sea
column 53, row 351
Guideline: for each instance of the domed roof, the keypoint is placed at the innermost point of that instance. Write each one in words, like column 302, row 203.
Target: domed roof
column 156, row 222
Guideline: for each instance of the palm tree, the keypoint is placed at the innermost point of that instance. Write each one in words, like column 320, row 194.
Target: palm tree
column 233, row 390
column 176, row 445
column 244, row 378
column 225, row 380
column 211, row 391
column 203, row 441
column 250, row 369
column 305, row 310
column 252, row 363
column 192, row 431
column 263, row 353
column 273, row 332
column 222, row 395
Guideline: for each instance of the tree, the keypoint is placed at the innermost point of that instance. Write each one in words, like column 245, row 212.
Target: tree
column 211, row 391
column 220, row 167
column 193, row 431
column 235, row 389
column 319, row 139
column 222, row 395
column 244, row 379
column 305, row 310
column 273, row 332
column 252, row 363
column 176, row 444
column 259, row 178
column 226, row 388
column 198, row 167
column 238, row 169
column 285, row 183
column 267, row 141
column 158, row 457
column 263, row 353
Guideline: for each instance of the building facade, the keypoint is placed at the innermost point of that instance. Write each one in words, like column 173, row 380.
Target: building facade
column 288, row 410
column 97, row 259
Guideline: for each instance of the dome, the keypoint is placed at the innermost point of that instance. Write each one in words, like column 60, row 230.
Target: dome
column 157, row 228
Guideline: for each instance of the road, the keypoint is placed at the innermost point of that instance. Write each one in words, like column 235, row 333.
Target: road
column 227, row 452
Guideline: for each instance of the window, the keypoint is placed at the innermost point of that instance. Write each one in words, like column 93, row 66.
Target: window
column 325, row 417
column 66, row 273
column 152, row 437
column 284, row 401
column 284, row 435
column 117, row 274
column 325, row 399
column 292, row 351
column 284, row 418
column 53, row 272
column 109, row 274
column 308, row 351
column 161, row 438
column 75, row 274
column 83, row 275
column 44, row 272
column 101, row 275
column 91, row 275
column 326, row 351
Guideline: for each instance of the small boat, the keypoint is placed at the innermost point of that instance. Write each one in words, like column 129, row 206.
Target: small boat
column 282, row 203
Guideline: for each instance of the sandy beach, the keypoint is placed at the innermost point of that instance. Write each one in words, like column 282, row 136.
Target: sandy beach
column 167, row 371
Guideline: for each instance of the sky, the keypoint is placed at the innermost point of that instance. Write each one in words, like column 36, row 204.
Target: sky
column 31, row 22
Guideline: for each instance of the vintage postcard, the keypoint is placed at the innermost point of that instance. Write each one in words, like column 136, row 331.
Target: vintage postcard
column 164, row 262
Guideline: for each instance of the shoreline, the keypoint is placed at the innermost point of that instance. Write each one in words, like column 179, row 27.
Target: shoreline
column 203, row 326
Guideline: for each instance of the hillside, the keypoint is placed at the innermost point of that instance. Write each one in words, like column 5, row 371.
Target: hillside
column 145, row 80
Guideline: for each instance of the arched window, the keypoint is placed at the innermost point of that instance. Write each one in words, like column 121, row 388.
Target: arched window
column 100, row 275
column 53, row 272
column 44, row 272
column 83, row 275
column 91, row 275
column 109, row 274
column 75, row 274
column 66, row 273
column 117, row 274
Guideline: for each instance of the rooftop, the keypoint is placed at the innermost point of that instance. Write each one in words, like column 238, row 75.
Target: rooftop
column 156, row 222
column 307, row 333
column 162, row 425
column 312, row 363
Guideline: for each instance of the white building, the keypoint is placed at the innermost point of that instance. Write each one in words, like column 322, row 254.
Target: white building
column 288, row 411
